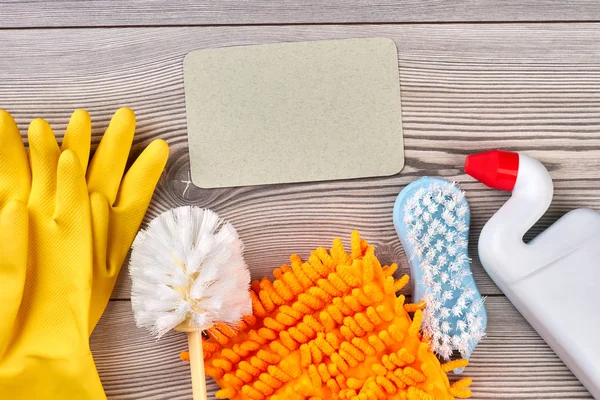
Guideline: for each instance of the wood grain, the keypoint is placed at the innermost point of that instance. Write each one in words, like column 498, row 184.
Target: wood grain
column 76, row 13
column 465, row 89
column 511, row 362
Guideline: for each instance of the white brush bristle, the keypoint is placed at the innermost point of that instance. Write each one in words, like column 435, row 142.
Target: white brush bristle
column 188, row 266
column 436, row 218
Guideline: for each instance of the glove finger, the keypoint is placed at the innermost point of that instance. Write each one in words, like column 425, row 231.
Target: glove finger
column 73, row 220
column 135, row 195
column 72, row 202
column 103, row 280
column 100, row 217
column 138, row 184
column 78, row 136
column 43, row 159
column 15, row 178
column 108, row 164
column 13, row 262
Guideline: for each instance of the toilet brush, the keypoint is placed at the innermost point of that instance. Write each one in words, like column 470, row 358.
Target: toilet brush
column 188, row 274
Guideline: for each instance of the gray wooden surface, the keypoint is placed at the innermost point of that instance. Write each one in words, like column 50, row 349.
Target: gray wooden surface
column 532, row 87
column 77, row 13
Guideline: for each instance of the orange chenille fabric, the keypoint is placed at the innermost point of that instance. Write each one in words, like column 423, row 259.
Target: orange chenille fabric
column 331, row 327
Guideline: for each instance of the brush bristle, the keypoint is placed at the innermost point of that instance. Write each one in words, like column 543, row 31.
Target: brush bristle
column 437, row 222
column 188, row 266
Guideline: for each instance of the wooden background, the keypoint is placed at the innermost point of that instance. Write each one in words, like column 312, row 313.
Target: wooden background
column 475, row 75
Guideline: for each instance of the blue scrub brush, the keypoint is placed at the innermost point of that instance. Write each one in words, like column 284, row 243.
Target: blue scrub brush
column 431, row 217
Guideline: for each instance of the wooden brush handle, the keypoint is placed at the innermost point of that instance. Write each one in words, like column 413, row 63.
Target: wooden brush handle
column 197, row 365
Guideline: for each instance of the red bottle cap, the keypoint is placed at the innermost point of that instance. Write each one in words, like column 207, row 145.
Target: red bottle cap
column 497, row 169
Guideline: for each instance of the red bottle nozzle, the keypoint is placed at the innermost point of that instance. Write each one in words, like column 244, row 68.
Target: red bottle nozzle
column 497, row 169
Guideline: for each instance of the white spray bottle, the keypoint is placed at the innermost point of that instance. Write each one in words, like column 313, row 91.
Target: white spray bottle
column 554, row 280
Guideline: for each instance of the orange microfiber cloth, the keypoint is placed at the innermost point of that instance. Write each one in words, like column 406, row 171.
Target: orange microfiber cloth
column 330, row 328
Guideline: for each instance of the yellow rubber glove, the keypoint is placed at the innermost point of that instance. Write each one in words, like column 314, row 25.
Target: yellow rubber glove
column 118, row 202
column 15, row 178
column 15, row 184
column 44, row 350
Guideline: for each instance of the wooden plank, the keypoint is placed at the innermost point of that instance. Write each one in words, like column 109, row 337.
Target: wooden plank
column 530, row 87
column 74, row 13
column 511, row 362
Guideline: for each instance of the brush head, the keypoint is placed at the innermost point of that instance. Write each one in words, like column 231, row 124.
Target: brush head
column 431, row 217
column 188, row 273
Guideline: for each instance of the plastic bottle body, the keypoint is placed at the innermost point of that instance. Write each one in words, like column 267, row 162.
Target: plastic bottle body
column 554, row 280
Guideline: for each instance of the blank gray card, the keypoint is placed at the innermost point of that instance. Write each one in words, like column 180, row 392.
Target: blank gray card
column 293, row 112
